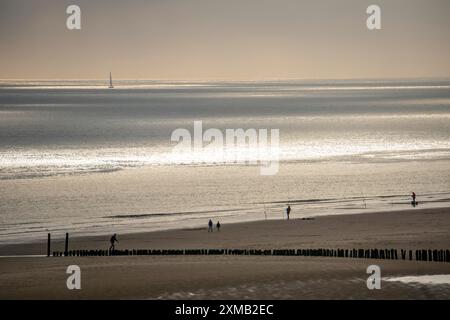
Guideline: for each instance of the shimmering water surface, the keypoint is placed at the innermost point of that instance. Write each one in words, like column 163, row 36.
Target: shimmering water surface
column 77, row 156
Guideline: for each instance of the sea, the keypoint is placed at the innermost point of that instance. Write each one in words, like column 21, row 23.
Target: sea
column 78, row 157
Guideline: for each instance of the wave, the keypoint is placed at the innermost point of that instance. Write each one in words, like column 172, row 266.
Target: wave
column 163, row 214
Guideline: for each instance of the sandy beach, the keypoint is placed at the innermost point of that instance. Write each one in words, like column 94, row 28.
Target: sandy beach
column 241, row 277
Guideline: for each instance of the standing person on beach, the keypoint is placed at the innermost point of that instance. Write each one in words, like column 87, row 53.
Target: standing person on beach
column 288, row 211
column 218, row 226
column 210, row 226
column 113, row 240
column 413, row 196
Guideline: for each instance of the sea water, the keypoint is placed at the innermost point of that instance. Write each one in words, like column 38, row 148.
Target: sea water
column 76, row 156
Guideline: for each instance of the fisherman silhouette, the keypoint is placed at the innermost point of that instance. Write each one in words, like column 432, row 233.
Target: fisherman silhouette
column 288, row 211
column 218, row 226
column 413, row 196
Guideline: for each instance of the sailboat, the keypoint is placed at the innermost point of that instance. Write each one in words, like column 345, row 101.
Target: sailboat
column 110, row 81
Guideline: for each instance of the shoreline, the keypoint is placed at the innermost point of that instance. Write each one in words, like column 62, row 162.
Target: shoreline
column 310, row 215
column 148, row 199
column 193, row 236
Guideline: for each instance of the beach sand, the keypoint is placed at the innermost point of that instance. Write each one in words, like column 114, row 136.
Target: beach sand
column 241, row 277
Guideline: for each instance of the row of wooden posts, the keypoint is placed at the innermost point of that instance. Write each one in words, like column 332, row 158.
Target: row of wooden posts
column 385, row 254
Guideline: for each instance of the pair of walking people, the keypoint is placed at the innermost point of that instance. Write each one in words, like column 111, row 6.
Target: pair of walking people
column 211, row 225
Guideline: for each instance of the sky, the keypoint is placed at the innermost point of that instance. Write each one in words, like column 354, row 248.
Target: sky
column 224, row 39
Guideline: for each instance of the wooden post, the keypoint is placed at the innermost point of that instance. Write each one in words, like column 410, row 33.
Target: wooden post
column 48, row 245
column 66, row 247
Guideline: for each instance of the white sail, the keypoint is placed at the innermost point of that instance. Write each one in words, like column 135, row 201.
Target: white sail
column 110, row 81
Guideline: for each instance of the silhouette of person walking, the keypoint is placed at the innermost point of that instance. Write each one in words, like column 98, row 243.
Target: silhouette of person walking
column 218, row 226
column 413, row 196
column 288, row 211
column 210, row 226
column 113, row 240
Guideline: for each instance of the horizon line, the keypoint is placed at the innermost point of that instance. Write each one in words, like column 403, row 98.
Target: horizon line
column 232, row 80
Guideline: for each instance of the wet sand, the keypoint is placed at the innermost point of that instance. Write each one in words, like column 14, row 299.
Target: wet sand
column 241, row 277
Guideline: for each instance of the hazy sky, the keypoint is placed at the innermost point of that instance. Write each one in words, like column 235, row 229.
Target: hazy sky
column 224, row 39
